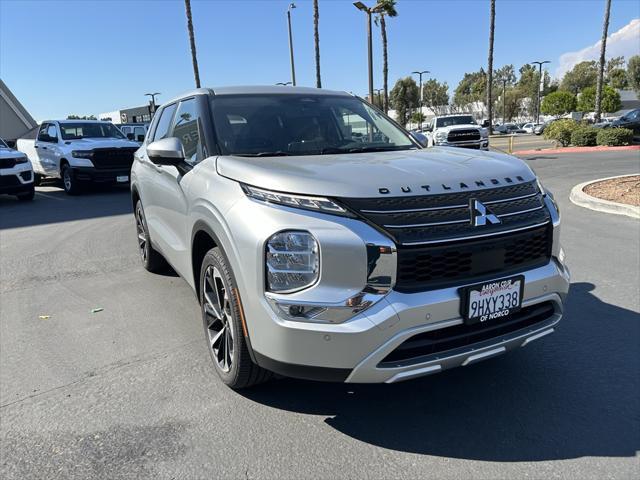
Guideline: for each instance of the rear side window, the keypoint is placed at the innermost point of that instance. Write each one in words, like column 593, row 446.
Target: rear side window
column 186, row 128
column 164, row 123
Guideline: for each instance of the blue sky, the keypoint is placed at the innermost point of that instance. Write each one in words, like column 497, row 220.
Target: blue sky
column 88, row 57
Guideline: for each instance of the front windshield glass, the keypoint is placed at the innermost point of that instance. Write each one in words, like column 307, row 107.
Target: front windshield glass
column 78, row 130
column 291, row 124
column 458, row 120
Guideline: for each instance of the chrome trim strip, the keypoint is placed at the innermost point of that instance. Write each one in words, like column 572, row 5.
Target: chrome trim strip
column 471, row 237
column 414, row 373
column 481, row 356
column 450, row 207
column 435, row 224
column 530, row 339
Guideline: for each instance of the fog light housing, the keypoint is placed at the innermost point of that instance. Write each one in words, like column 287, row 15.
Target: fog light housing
column 292, row 260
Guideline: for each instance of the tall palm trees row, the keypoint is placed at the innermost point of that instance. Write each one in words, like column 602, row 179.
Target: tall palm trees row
column 384, row 8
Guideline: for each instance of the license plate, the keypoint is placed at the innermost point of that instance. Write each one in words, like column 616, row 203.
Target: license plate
column 123, row 178
column 491, row 300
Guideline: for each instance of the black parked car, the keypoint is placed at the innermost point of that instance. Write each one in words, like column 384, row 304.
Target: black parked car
column 630, row 120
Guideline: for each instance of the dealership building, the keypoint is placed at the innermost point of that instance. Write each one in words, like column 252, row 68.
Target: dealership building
column 15, row 121
column 128, row 115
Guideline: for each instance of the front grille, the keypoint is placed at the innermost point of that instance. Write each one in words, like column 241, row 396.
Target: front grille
column 463, row 135
column 446, row 265
column 113, row 157
column 9, row 181
column 439, row 246
column 7, row 162
column 462, row 336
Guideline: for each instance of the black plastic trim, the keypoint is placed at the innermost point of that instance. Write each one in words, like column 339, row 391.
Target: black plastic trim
column 303, row 372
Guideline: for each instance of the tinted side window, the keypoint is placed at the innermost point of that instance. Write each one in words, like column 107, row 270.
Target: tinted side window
column 164, row 123
column 186, row 128
column 43, row 132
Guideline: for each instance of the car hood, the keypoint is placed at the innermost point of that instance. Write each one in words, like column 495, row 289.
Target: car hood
column 407, row 172
column 90, row 143
column 10, row 153
column 458, row 127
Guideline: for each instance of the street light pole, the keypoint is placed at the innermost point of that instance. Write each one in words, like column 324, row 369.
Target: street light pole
column 539, row 87
column 504, row 96
column 293, row 68
column 420, row 96
column 368, row 11
column 153, row 101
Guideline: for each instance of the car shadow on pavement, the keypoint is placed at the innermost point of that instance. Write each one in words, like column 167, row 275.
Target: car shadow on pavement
column 573, row 394
column 52, row 205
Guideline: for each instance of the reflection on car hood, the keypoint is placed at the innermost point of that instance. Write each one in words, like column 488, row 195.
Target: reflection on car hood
column 10, row 153
column 89, row 143
column 458, row 127
column 443, row 169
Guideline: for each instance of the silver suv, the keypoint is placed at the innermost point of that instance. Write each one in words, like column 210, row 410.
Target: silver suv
column 323, row 243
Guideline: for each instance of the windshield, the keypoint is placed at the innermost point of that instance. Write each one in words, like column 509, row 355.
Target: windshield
column 289, row 124
column 459, row 120
column 78, row 130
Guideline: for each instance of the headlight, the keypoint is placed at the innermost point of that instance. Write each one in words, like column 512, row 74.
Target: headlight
column 441, row 136
column 292, row 260
column 546, row 192
column 22, row 160
column 82, row 154
column 484, row 133
column 319, row 204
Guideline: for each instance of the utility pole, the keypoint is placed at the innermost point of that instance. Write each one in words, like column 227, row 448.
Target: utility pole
column 420, row 96
column 603, row 49
column 361, row 6
column 293, row 68
column 539, row 87
column 504, row 96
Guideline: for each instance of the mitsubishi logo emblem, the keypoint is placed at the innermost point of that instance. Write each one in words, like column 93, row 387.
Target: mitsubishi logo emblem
column 480, row 215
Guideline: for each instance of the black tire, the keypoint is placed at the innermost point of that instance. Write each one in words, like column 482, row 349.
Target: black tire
column 37, row 179
column 233, row 365
column 27, row 196
column 152, row 260
column 69, row 183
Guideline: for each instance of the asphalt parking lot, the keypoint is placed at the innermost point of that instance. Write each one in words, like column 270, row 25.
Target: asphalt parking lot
column 128, row 392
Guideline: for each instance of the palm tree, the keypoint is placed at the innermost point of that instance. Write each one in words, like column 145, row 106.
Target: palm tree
column 316, row 39
column 192, row 41
column 385, row 8
column 603, row 49
column 490, row 67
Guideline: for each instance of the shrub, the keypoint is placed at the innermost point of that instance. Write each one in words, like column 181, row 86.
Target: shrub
column 558, row 103
column 584, row 136
column 612, row 137
column 561, row 130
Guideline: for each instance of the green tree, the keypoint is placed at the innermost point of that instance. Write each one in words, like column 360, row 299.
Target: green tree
column 558, row 103
column 583, row 74
column 385, row 8
column 316, row 41
column 83, row 117
column 472, row 88
column 403, row 98
column 633, row 73
column 435, row 95
column 528, row 86
column 417, row 117
column 610, row 100
column 615, row 74
column 192, row 42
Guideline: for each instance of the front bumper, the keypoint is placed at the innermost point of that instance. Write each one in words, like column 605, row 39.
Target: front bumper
column 102, row 175
column 17, row 179
column 482, row 144
column 353, row 351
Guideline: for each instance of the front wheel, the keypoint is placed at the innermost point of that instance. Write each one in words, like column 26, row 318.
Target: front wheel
column 69, row 182
column 222, row 325
column 152, row 261
column 28, row 195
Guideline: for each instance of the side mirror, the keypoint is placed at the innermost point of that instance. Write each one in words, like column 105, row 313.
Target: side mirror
column 428, row 128
column 167, row 151
column 130, row 136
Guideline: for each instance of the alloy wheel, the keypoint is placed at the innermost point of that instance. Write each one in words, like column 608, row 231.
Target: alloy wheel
column 142, row 235
column 66, row 178
column 218, row 318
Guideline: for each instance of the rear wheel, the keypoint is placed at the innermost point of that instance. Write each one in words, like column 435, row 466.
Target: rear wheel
column 70, row 184
column 222, row 325
column 151, row 259
column 37, row 179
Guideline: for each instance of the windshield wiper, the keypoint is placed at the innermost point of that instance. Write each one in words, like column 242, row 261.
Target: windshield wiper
column 278, row 153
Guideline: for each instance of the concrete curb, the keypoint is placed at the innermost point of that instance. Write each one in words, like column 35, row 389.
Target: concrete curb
column 582, row 199
column 576, row 150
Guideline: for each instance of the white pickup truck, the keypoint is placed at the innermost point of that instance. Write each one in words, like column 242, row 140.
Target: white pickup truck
column 457, row 131
column 79, row 152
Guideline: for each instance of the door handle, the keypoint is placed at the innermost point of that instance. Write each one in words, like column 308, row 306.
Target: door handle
column 44, row 148
column 36, row 146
